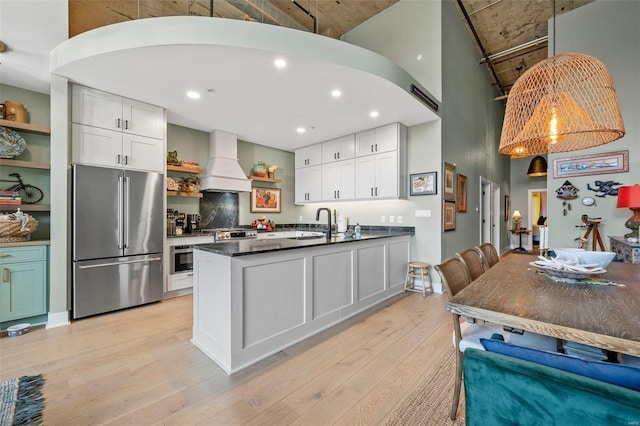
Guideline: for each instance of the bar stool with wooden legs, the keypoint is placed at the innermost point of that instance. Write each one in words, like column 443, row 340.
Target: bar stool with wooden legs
column 418, row 270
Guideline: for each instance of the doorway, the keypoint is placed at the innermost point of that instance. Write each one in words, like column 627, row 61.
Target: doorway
column 489, row 213
column 537, row 211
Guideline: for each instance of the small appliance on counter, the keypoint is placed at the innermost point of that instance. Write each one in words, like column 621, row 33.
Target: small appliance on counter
column 180, row 223
column 193, row 223
column 343, row 222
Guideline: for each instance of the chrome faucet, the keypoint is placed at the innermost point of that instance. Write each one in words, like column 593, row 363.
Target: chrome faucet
column 328, row 219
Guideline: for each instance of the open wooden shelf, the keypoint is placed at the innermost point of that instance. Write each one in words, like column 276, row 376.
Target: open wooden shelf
column 26, row 127
column 25, row 207
column 24, row 164
column 184, row 194
column 264, row 179
column 172, row 168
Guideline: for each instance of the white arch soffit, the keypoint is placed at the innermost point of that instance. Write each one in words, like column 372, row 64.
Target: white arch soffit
column 204, row 52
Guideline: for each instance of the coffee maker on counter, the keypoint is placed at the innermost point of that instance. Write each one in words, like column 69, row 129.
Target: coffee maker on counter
column 193, row 223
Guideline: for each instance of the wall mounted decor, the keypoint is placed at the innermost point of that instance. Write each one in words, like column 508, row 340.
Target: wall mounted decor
column 449, row 182
column 594, row 164
column 604, row 188
column 265, row 200
column 423, row 183
column 462, row 193
column 448, row 215
column 567, row 191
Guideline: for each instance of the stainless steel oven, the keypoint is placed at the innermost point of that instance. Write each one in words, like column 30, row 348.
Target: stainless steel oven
column 181, row 259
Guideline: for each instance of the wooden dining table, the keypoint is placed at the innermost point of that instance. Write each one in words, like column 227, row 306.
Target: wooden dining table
column 514, row 294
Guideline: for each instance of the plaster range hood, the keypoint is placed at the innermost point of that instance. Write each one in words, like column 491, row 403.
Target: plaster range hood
column 223, row 173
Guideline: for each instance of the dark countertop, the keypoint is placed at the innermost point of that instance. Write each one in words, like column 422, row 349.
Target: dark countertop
column 249, row 247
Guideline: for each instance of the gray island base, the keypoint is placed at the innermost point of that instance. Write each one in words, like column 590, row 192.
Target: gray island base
column 255, row 299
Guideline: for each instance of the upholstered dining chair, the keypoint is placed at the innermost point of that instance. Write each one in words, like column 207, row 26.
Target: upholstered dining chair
column 474, row 262
column 455, row 277
column 490, row 253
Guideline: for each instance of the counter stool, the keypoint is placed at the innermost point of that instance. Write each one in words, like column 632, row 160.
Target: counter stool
column 415, row 270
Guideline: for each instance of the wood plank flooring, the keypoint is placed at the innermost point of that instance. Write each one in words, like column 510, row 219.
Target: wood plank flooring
column 138, row 367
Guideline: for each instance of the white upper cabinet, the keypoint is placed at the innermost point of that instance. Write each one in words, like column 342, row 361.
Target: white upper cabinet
column 338, row 180
column 337, row 149
column 100, row 109
column 308, row 184
column 377, row 176
column 112, row 131
column 380, row 139
column 309, row 156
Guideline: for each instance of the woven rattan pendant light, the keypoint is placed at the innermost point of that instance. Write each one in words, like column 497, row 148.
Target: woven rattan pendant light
column 565, row 103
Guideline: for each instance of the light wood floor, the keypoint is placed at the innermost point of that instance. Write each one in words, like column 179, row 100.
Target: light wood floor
column 138, row 367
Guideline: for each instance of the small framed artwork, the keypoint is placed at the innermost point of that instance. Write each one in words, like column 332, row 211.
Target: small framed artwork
column 462, row 193
column 506, row 208
column 594, row 164
column 448, row 182
column 448, row 215
column 265, row 200
column 423, row 184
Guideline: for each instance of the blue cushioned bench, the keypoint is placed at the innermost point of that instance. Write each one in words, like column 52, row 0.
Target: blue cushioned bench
column 504, row 390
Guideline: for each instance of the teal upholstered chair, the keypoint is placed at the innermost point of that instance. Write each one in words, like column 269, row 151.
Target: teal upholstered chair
column 504, row 390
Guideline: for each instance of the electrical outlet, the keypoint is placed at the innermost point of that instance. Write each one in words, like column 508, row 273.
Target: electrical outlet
column 382, row 218
column 391, row 219
column 399, row 219
column 299, row 218
column 423, row 213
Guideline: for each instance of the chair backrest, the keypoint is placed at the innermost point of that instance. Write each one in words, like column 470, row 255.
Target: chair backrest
column 454, row 274
column 490, row 253
column 471, row 258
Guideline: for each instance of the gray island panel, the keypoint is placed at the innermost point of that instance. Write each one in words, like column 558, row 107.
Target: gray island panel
column 250, row 306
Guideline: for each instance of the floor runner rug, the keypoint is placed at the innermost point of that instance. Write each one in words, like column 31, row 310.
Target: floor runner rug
column 21, row 401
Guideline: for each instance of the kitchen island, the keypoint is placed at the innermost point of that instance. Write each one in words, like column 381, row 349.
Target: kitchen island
column 253, row 298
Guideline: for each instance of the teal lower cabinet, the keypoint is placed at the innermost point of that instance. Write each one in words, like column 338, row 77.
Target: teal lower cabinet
column 23, row 282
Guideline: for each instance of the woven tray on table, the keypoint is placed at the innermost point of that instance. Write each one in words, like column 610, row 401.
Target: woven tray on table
column 11, row 231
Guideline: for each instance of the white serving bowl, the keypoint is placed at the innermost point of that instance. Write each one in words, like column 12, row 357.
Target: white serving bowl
column 600, row 258
column 569, row 254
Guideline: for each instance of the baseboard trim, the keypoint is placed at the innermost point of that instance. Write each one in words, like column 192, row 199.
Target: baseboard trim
column 58, row 319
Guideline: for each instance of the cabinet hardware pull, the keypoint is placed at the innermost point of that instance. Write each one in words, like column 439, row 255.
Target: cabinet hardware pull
column 376, row 191
column 338, row 156
column 118, row 124
column 338, row 193
column 376, row 147
column 126, row 160
column 126, row 124
column 334, row 156
column 118, row 159
column 371, row 148
column 100, row 265
column 6, row 275
column 372, row 191
column 5, row 255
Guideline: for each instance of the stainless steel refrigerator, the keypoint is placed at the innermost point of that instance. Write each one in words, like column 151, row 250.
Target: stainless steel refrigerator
column 118, row 227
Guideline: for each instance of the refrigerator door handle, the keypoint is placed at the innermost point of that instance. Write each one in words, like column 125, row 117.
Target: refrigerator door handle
column 120, row 206
column 100, row 265
column 127, row 192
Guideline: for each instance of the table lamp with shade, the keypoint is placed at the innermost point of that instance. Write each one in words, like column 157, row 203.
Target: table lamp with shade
column 629, row 197
column 516, row 219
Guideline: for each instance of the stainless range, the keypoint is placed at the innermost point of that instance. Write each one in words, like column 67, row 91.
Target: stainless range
column 227, row 235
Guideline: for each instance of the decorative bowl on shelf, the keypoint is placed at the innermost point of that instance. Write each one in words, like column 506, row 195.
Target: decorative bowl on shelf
column 16, row 227
column 11, row 143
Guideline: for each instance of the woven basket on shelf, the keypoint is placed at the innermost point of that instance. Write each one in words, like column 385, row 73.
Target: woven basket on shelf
column 11, row 231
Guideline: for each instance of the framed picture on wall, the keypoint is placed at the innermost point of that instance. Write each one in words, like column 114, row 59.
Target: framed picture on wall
column 265, row 200
column 448, row 215
column 594, row 164
column 448, row 182
column 462, row 193
column 423, row 183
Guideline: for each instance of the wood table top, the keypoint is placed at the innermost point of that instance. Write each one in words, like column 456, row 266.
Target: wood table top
column 512, row 293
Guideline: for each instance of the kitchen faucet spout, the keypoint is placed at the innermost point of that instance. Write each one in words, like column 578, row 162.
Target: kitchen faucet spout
column 328, row 220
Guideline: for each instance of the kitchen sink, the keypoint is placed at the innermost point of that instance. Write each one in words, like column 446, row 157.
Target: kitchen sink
column 307, row 237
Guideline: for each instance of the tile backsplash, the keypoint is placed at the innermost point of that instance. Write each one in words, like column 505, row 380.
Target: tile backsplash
column 219, row 210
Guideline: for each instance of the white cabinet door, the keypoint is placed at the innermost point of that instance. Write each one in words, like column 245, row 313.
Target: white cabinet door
column 375, row 141
column 96, row 146
column 143, row 153
column 96, row 108
column 342, row 148
column 386, row 175
column 365, row 177
column 142, row 119
column 377, row 176
column 308, row 184
column 338, row 180
column 308, row 156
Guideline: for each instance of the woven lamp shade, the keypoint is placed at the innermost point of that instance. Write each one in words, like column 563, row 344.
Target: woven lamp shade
column 564, row 103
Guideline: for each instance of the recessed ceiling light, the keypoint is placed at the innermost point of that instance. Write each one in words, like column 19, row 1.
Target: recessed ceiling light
column 374, row 113
column 336, row 93
column 419, row 57
column 193, row 94
column 301, row 130
column 280, row 63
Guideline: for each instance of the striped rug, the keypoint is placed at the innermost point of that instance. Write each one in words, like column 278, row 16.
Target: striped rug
column 21, row 401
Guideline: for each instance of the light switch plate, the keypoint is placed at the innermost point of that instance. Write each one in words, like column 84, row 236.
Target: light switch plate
column 382, row 219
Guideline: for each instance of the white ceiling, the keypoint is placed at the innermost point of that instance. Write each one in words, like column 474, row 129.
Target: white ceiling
column 157, row 60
